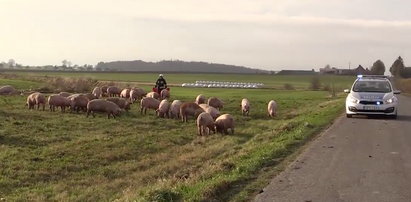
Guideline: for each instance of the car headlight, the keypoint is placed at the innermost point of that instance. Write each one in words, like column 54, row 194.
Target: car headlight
column 389, row 101
column 353, row 100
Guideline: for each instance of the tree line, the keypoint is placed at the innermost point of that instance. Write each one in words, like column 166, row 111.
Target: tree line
column 397, row 69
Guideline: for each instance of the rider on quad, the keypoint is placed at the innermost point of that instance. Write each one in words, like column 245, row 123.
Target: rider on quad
column 160, row 83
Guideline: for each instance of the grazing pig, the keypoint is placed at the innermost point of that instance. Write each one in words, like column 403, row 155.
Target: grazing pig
column 163, row 109
column 175, row 109
column 7, row 90
column 58, row 101
column 200, row 99
column 104, row 91
column 73, row 95
column 204, row 106
column 223, row 123
column 125, row 93
column 120, row 102
column 190, row 109
column 65, row 94
column 215, row 102
column 89, row 96
column 101, row 105
column 205, row 124
column 148, row 103
column 154, row 95
column 245, row 107
column 113, row 91
column 213, row 112
column 272, row 108
column 78, row 102
column 97, row 92
column 136, row 93
column 36, row 99
column 165, row 94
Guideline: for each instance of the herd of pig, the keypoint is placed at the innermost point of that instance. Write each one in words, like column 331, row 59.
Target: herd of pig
column 205, row 111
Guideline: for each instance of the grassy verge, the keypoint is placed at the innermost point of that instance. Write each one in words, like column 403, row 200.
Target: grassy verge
column 404, row 85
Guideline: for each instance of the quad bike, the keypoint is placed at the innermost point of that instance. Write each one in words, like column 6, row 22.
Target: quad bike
column 156, row 90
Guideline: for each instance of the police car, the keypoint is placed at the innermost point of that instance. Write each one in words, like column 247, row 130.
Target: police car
column 371, row 94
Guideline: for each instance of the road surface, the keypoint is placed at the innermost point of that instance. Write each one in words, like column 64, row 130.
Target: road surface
column 357, row 159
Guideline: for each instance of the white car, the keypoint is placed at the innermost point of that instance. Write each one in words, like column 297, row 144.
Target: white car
column 371, row 94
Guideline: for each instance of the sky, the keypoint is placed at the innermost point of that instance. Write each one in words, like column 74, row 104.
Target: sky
column 265, row 34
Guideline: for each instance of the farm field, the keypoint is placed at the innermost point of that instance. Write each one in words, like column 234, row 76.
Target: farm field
column 66, row 156
column 271, row 81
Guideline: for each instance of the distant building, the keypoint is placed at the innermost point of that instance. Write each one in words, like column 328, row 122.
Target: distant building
column 328, row 70
column 335, row 71
column 297, row 72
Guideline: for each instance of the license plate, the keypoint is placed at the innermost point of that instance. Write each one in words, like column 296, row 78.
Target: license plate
column 371, row 108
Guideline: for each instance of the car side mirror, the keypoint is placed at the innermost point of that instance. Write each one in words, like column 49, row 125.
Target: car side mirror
column 346, row 91
column 397, row 92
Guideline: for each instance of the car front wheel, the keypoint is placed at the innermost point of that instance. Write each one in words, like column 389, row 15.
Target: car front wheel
column 393, row 116
column 349, row 115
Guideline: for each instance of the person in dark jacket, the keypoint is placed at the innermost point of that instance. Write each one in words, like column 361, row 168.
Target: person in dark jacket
column 160, row 83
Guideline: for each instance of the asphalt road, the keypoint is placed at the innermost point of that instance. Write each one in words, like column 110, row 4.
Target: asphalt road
column 357, row 159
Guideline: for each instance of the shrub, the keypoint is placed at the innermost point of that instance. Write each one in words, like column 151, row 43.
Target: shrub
column 163, row 195
column 315, row 83
column 288, row 86
column 79, row 85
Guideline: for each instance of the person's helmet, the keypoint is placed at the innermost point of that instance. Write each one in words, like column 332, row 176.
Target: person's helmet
column 161, row 75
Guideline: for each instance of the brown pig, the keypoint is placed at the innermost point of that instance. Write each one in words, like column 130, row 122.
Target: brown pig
column 165, row 94
column 190, row 109
column 36, row 99
column 175, row 109
column 223, row 123
column 136, row 93
column 154, row 95
column 97, row 92
column 101, row 105
column 125, row 93
column 272, row 108
column 205, row 124
column 58, row 101
column 245, row 107
column 148, row 103
column 113, row 91
column 200, row 99
column 215, row 102
column 7, row 90
column 163, row 109
column 120, row 102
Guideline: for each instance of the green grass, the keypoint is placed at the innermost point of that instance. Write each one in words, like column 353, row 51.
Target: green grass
column 55, row 156
column 273, row 81
column 19, row 84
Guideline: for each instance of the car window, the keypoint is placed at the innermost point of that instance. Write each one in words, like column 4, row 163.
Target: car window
column 372, row 86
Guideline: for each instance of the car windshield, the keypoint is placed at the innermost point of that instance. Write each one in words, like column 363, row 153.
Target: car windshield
column 372, row 86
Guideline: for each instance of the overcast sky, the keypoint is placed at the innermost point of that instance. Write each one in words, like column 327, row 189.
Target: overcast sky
column 267, row 34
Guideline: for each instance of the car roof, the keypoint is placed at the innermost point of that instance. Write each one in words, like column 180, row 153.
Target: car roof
column 372, row 78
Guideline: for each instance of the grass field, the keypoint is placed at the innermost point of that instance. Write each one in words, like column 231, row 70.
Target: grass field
column 20, row 84
column 55, row 156
column 272, row 81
